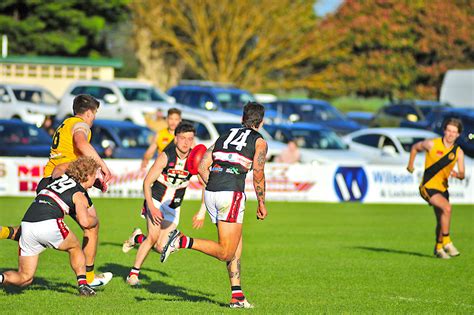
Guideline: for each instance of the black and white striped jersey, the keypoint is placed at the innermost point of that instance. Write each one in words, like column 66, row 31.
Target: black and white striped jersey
column 54, row 201
column 232, row 159
column 171, row 185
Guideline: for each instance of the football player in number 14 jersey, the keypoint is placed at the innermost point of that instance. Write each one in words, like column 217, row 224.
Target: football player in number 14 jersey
column 223, row 169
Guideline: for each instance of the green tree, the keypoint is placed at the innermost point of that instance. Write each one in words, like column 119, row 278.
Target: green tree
column 392, row 48
column 253, row 44
column 66, row 27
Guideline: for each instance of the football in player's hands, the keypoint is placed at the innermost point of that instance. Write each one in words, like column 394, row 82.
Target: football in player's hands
column 194, row 158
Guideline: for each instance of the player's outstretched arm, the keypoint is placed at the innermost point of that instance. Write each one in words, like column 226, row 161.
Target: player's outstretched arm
column 85, row 148
column 84, row 219
column 150, row 178
column 460, row 172
column 149, row 152
column 205, row 164
column 259, row 176
column 425, row 145
column 198, row 218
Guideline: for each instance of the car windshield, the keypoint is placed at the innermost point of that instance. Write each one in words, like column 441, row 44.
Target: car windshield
column 12, row 134
column 315, row 112
column 407, row 142
column 426, row 110
column 234, row 100
column 133, row 137
column 142, row 94
column 320, row 139
column 36, row 96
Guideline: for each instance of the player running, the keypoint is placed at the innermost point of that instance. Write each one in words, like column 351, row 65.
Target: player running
column 441, row 155
column 163, row 137
column 43, row 226
column 70, row 141
column 224, row 168
column 164, row 187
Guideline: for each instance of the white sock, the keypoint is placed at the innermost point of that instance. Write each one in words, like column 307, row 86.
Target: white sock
column 2, row 277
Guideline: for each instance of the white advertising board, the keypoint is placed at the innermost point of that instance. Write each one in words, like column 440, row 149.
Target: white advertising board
column 297, row 182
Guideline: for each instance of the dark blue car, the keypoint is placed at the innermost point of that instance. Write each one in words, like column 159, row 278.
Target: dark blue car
column 18, row 138
column 314, row 111
column 435, row 121
column 120, row 139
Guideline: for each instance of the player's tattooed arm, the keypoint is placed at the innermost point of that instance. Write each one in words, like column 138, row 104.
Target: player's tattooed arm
column 261, row 149
column 205, row 164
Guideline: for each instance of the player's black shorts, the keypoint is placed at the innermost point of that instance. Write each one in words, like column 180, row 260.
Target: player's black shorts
column 427, row 193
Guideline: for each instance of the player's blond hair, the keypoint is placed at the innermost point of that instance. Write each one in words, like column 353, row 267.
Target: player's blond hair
column 81, row 168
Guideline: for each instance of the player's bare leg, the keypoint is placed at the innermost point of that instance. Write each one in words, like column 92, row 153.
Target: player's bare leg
column 10, row 233
column 78, row 262
column 444, row 246
column 26, row 270
column 90, row 241
column 156, row 238
column 238, row 299
column 229, row 237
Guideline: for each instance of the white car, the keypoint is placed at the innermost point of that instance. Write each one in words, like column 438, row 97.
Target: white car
column 388, row 145
column 210, row 125
column 119, row 100
column 29, row 103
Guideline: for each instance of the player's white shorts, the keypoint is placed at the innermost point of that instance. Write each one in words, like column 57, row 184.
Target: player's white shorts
column 169, row 214
column 228, row 206
column 37, row 236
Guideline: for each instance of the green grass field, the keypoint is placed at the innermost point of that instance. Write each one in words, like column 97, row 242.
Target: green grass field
column 305, row 258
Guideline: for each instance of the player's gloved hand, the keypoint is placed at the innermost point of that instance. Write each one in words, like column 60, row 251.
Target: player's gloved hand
column 100, row 182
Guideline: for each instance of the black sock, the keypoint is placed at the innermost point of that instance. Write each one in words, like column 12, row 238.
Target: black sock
column 90, row 268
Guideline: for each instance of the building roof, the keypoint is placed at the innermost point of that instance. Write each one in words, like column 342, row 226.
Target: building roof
column 55, row 60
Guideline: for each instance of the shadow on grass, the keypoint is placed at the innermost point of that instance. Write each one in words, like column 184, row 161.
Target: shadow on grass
column 111, row 244
column 180, row 293
column 41, row 284
column 123, row 271
column 392, row 251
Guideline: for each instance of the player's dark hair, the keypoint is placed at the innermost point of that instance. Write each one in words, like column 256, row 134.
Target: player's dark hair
column 83, row 102
column 253, row 114
column 456, row 122
column 184, row 127
column 173, row 110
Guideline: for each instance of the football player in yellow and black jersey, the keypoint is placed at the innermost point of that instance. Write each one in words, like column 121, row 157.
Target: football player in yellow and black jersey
column 164, row 187
column 71, row 140
column 441, row 156
column 43, row 224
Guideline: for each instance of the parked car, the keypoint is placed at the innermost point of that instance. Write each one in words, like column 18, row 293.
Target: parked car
column 435, row 122
column 393, row 114
column 18, row 138
column 210, row 125
column 29, row 103
column 387, row 145
column 317, row 144
column 124, row 139
column 119, row 100
column 313, row 111
column 211, row 96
